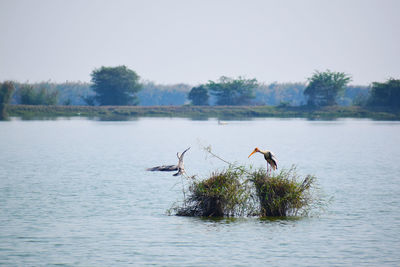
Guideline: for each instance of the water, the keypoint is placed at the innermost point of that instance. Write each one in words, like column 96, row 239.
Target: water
column 75, row 192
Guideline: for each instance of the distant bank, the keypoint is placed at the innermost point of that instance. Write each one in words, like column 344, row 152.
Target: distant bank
column 201, row 112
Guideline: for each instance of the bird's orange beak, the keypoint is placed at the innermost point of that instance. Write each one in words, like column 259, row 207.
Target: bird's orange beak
column 254, row 151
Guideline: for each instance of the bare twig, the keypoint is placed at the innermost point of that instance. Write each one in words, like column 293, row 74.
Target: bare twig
column 208, row 149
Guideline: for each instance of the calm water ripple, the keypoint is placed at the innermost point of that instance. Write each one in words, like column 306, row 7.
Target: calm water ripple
column 74, row 192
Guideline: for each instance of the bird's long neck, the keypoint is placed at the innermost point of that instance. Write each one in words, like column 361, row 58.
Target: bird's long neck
column 265, row 152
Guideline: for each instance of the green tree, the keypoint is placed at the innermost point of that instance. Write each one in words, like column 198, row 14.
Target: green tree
column 26, row 95
column 230, row 91
column 385, row 94
column 6, row 90
column 324, row 87
column 29, row 95
column 199, row 95
column 115, row 86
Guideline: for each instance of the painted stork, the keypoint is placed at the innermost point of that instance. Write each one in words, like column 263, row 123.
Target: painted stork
column 269, row 157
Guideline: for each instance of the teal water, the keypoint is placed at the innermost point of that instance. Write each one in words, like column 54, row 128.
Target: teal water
column 75, row 192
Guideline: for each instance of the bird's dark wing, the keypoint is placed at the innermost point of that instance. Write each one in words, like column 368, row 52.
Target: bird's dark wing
column 271, row 159
column 169, row 168
column 164, row 168
column 272, row 163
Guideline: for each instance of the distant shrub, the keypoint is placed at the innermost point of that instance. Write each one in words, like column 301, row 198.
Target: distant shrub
column 385, row 94
column 199, row 95
column 28, row 95
column 6, row 90
column 324, row 87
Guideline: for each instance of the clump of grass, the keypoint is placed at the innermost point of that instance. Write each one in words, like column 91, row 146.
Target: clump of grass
column 238, row 191
column 283, row 194
column 223, row 194
column 241, row 191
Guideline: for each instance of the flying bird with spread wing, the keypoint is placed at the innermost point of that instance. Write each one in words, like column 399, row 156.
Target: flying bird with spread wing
column 269, row 157
column 167, row 168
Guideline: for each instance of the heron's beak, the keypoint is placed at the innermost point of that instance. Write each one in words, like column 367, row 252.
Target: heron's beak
column 254, row 151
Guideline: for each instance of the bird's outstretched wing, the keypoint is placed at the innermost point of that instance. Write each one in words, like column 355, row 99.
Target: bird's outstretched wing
column 164, row 168
column 181, row 167
column 169, row 168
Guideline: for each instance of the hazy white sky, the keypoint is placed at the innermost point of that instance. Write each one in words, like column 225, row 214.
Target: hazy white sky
column 173, row 41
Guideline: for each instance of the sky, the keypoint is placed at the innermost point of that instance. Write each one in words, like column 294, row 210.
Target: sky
column 188, row 41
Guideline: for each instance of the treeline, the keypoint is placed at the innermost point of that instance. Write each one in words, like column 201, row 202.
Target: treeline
column 152, row 94
column 6, row 90
column 50, row 93
column 80, row 93
column 121, row 86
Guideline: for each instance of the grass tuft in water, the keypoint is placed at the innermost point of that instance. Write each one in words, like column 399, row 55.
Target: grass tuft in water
column 282, row 194
column 223, row 194
column 238, row 192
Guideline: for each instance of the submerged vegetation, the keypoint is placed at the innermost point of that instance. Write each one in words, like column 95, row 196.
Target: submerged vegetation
column 238, row 191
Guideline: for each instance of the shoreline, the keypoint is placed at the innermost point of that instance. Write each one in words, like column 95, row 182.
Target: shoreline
column 201, row 112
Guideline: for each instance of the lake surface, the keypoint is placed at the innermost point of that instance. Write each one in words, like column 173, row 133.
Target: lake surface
column 75, row 192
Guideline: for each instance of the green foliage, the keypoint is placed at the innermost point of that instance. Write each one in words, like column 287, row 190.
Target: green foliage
column 81, row 93
column 282, row 194
column 385, row 94
column 223, row 194
column 29, row 95
column 72, row 93
column 199, row 95
column 230, row 91
column 324, row 87
column 242, row 192
column 115, row 86
column 6, row 90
